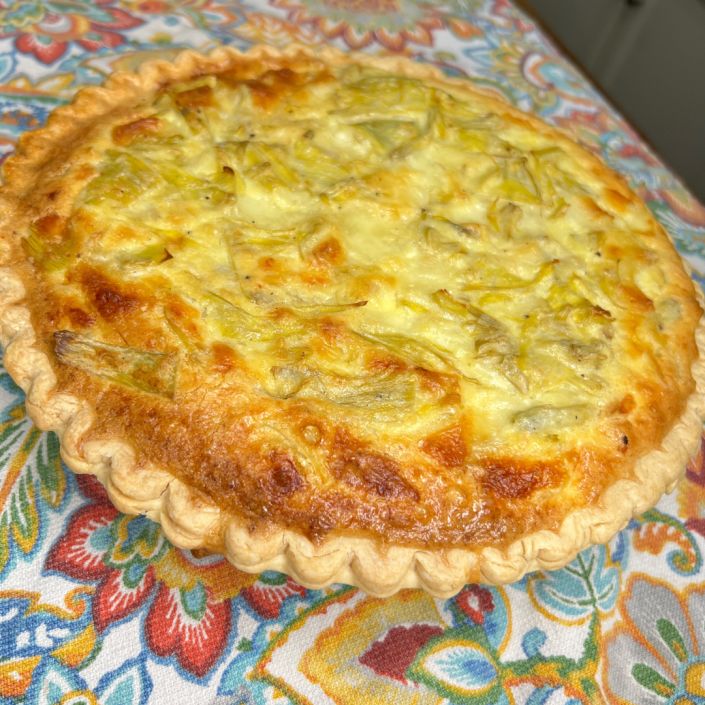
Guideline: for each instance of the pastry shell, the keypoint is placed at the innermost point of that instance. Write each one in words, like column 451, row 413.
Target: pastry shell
column 191, row 521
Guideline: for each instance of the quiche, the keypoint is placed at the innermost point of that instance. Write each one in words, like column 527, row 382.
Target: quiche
column 347, row 318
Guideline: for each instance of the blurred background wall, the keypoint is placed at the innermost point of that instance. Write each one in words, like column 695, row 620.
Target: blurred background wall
column 648, row 57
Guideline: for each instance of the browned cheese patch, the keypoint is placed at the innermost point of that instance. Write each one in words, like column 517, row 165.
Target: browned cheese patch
column 447, row 446
column 283, row 478
column 124, row 135
column 110, row 299
column 201, row 97
column 509, row 478
column 361, row 468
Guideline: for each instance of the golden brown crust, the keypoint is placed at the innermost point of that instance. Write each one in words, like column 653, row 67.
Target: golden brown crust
column 434, row 549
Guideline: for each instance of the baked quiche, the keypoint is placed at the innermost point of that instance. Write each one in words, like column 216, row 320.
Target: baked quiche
column 346, row 318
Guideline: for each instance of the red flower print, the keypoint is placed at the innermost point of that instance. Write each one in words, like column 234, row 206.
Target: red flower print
column 187, row 598
column 123, row 556
column 392, row 655
column 196, row 641
column 44, row 48
column 113, row 601
column 73, row 555
column 267, row 595
column 476, row 602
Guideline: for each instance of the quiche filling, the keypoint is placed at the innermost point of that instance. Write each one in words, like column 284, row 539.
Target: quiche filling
column 342, row 299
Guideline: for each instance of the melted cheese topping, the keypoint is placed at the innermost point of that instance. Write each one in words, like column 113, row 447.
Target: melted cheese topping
column 397, row 257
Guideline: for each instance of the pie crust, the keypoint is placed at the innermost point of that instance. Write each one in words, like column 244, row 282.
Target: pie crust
column 191, row 519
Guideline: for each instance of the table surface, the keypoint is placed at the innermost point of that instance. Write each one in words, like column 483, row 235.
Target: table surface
column 97, row 607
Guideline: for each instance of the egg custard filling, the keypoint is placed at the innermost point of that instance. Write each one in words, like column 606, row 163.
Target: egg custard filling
column 345, row 300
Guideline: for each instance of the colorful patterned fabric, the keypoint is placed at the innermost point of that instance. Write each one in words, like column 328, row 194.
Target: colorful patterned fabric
column 97, row 607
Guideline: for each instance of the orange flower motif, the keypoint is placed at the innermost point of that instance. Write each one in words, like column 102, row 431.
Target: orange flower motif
column 260, row 27
column 46, row 30
column 360, row 23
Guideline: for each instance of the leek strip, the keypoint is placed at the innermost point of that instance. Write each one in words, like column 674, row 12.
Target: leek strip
column 548, row 418
column 492, row 339
column 153, row 372
column 514, row 282
column 389, row 390
column 420, row 354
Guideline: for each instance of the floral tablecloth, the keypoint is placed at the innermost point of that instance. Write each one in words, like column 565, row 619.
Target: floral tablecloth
column 97, row 607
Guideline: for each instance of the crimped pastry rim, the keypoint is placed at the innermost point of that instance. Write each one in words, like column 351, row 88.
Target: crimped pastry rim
column 190, row 520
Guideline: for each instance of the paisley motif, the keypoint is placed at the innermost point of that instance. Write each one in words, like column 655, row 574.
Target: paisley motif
column 656, row 652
